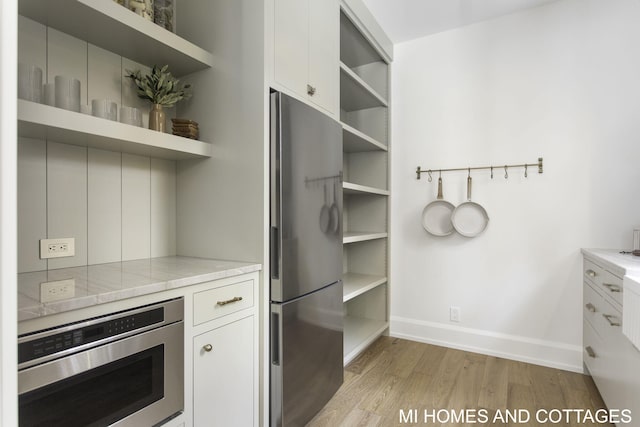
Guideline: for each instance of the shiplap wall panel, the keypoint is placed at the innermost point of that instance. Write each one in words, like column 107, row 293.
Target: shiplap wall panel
column 94, row 196
column 67, row 56
column 136, row 207
column 32, row 203
column 67, row 200
column 32, row 44
column 104, row 79
column 163, row 207
column 104, row 179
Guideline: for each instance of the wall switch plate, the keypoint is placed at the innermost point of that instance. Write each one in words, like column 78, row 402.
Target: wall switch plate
column 454, row 314
column 57, row 248
column 60, row 289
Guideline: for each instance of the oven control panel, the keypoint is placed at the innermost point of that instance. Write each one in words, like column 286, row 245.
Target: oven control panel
column 70, row 337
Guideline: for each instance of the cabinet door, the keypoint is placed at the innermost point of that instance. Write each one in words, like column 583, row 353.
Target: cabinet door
column 291, row 44
column 223, row 370
column 324, row 33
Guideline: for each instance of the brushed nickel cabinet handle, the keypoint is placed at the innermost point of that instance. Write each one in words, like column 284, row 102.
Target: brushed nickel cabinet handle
column 229, row 301
column 591, row 273
column 613, row 321
column 590, row 352
column 591, row 307
column 612, row 287
column 207, row 348
column 311, row 90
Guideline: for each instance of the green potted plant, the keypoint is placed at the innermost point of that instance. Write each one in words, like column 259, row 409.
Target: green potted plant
column 162, row 89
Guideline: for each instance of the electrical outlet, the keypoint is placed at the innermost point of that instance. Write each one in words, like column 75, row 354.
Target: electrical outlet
column 454, row 314
column 60, row 289
column 57, row 248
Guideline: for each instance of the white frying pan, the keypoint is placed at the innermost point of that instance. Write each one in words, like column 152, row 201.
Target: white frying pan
column 436, row 216
column 469, row 218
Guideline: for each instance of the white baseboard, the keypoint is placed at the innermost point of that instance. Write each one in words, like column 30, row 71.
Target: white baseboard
column 538, row 352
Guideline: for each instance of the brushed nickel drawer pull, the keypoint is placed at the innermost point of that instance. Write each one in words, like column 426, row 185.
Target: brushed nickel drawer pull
column 207, row 348
column 612, row 287
column 591, row 307
column 229, row 301
column 590, row 352
column 614, row 322
column 591, row 273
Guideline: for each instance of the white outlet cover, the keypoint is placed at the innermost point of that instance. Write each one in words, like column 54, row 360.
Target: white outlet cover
column 69, row 242
column 57, row 290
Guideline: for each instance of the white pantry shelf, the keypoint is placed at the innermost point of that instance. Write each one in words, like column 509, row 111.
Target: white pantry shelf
column 351, row 188
column 115, row 28
column 45, row 122
column 355, row 141
column 355, row 49
column 355, row 284
column 359, row 333
column 355, row 93
column 354, row 237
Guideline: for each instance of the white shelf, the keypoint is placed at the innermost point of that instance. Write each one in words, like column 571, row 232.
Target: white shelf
column 356, row 284
column 355, row 141
column 359, row 333
column 355, row 50
column 45, row 122
column 351, row 188
column 110, row 26
column 355, row 93
column 354, row 237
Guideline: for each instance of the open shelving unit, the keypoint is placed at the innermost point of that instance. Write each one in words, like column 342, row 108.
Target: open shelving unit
column 355, row 284
column 106, row 24
column 351, row 188
column 365, row 320
column 355, row 141
column 56, row 124
column 357, row 94
column 364, row 81
column 354, row 237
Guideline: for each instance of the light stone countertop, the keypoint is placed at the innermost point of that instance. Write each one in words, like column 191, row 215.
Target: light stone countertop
column 97, row 284
column 615, row 262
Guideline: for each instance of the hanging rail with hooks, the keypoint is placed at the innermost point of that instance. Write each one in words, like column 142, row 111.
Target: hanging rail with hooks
column 469, row 169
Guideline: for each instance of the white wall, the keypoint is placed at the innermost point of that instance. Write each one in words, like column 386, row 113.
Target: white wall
column 560, row 81
column 117, row 206
column 8, row 258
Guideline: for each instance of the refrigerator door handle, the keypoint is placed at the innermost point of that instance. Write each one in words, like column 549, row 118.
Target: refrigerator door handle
column 275, row 339
column 275, row 253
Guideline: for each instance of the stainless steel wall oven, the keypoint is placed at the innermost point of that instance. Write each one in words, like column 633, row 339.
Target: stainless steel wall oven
column 121, row 369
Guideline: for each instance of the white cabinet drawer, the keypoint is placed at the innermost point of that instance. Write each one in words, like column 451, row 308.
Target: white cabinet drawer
column 604, row 366
column 212, row 304
column 610, row 284
column 603, row 316
column 592, row 304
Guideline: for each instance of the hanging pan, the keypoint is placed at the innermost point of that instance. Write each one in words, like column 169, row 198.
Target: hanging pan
column 469, row 218
column 436, row 216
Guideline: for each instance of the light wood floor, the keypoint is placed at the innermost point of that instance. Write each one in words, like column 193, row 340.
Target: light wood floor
column 395, row 374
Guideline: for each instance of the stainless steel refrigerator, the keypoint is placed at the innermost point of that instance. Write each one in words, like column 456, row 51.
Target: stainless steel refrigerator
column 306, row 261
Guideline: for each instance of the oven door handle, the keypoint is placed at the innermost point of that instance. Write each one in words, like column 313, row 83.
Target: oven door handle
column 39, row 376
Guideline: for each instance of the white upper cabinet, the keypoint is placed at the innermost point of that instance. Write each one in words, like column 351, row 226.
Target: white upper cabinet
column 306, row 37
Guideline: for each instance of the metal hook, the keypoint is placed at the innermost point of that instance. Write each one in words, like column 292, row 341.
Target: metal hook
column 525, row 171
column 506, row 174
column 469, row 173
column 491, row 172
column 430, row 177
column 440, row 173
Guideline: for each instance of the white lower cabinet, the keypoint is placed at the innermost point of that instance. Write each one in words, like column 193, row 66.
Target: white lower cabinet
column 609, row 356
column 223, row 375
